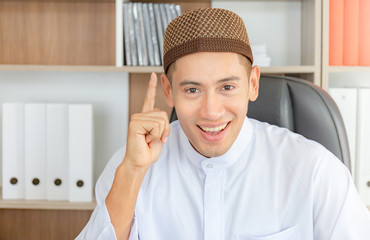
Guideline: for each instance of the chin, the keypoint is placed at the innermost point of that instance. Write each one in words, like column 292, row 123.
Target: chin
column 213, row 152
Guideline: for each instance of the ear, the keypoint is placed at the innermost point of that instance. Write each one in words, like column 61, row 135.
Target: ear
column 254, row 83
column 167, row 89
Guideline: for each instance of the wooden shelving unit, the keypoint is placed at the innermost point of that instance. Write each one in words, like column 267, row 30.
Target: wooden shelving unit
column 80, row 36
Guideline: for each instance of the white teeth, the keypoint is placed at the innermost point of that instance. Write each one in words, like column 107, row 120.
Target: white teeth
column 216, row 129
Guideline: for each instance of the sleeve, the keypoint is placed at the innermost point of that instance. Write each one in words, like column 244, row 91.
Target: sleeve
column 99, row 226
column 338, row 210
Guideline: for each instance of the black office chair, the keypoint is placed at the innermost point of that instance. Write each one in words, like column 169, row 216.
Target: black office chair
column 302, row 107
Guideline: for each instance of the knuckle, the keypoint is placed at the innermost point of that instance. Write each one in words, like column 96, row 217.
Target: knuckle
column 134, row 116
column 163, row 115
column 132, row 122
column 158, row 125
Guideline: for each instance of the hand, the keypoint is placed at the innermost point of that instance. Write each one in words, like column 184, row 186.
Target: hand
column 147, row 132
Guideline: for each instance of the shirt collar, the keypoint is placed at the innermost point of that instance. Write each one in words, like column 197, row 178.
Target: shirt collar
column 229, row 158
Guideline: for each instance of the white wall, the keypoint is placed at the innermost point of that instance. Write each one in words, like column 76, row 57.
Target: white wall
column 278, row 24
column 108, row 92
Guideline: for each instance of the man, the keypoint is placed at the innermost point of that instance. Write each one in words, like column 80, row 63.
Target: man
column 219, row 175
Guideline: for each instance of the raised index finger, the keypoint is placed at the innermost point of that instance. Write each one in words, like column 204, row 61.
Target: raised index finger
column 151, row 94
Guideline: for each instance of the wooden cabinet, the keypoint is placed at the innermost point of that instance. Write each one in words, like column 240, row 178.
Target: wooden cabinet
column 36, row 224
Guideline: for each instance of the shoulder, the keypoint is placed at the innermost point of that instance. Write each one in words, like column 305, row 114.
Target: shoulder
column 302, row 157
column 282, row 138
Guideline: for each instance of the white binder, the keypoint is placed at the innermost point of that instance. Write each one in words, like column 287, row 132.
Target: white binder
column 346, row 100
column 80, row 142
column 35, row 151
column 57, row 151
column 363, row 140
column 13, row 151
column 119, row 33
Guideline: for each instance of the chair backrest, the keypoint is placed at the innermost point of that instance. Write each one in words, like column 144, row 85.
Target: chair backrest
column 302, row 107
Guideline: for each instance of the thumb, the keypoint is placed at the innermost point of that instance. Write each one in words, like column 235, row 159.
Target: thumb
column 155, row 143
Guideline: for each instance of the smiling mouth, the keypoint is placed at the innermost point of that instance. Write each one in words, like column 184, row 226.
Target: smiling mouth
column 214, row 129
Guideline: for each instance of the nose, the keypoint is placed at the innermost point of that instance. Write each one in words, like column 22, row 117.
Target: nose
column 212, row 107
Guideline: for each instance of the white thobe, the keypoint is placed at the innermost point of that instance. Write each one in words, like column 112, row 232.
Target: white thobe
column 272, row 184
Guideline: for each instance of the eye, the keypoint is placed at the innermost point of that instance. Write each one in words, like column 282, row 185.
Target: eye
column 227, row 87
column 192, row 90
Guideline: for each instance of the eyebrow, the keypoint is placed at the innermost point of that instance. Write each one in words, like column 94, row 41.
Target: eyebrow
column 191, row 82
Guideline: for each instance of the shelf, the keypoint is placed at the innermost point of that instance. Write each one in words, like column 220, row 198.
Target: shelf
column 45, row 205
column 89, row 68
column 349, row 69
column 139, row 69
column 288, row 69
column 252, row 0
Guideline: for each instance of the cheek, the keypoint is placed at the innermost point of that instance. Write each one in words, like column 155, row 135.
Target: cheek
column 184, row 109
column 237, row 105
column 184, row 106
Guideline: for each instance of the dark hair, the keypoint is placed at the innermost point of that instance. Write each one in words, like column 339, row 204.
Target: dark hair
column 244, row 61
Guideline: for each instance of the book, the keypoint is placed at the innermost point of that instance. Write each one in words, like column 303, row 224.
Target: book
column 351, row 32
column 178, row 10
column 364, row 30
column 119, row 34
column 154, row 37
column 137, row 38
column 132, row 35
column 143, row 45
column 260, row 55
column 159, row 28
column 168, row 13
column 126, row 30
column 336, row 27
column 148, row 34
column 172, row 11
column 163, row 14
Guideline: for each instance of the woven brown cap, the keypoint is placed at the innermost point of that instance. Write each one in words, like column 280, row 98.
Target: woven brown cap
column 205, row 30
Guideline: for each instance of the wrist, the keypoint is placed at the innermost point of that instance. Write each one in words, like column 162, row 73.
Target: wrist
column 133, row 168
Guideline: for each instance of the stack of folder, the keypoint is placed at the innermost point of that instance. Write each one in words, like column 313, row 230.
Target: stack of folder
column 356, row 121
column 143, row 30
column 260, row 57
column 349, row 32
column 47, row 151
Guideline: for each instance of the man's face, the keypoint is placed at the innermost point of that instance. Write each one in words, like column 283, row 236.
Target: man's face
column 210, row 92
